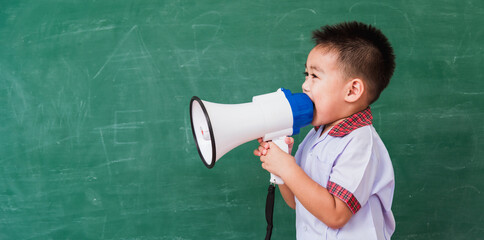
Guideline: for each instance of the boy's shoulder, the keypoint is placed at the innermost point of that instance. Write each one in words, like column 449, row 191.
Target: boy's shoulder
column 362, row 138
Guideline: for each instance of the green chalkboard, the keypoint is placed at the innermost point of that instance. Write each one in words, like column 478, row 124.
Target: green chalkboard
column 95, row 138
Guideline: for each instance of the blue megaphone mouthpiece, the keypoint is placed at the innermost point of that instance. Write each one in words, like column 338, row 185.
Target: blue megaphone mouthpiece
column 302, row 109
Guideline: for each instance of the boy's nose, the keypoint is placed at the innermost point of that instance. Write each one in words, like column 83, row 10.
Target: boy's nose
column 305, row 87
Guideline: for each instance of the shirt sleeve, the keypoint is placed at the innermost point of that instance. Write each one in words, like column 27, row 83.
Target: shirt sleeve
column 354, row 170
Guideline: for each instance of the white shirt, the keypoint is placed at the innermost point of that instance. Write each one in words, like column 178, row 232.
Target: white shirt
column 359, row 165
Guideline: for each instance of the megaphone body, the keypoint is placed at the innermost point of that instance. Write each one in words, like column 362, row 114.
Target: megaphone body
column 219, row 128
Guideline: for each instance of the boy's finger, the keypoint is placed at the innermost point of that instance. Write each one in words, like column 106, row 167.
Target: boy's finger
column 289, row 140
column 262, row 151
column 259, row 140
column 257, row 153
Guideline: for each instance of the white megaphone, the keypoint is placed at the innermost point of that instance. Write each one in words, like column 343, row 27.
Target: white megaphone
column 219, row 128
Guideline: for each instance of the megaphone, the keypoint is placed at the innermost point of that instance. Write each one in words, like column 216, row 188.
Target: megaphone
column 219, row 128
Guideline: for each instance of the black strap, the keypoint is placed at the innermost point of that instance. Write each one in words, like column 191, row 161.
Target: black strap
column 270, row 210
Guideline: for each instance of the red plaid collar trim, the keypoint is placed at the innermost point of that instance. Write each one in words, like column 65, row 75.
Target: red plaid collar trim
column 355, row 121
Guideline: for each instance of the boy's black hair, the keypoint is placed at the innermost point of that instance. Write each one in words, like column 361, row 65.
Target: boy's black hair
column 363, row 52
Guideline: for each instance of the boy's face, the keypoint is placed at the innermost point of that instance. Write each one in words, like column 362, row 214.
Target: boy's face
column 325, row 86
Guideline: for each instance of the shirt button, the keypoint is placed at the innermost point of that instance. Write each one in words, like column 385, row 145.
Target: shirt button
column 306, row 228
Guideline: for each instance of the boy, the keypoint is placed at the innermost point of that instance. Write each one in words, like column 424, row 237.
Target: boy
column 341, row 180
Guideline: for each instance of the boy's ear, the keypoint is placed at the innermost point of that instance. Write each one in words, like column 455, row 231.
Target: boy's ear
column 354, row 90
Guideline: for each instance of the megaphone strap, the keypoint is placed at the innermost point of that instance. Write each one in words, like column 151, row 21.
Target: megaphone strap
column 270, row 210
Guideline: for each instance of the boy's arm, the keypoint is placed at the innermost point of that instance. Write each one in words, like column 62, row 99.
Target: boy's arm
column 287, row 195
column 316, row 199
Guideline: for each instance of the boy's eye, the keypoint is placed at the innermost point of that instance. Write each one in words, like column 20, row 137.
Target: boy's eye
column 312, row 75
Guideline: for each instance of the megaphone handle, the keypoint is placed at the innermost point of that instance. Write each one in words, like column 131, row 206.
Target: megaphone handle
column 281, row 143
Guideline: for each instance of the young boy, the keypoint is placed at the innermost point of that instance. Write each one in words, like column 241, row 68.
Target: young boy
column 341, row 180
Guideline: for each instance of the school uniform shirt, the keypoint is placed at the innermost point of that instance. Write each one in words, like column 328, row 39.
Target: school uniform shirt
column 352, row 163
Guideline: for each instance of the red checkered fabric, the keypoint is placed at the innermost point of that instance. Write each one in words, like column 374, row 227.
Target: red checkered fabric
column 351, row 123
column 344, row 195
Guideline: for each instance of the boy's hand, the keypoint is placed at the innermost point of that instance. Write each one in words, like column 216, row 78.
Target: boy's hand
column 290, row 142
column 273, row 158
column 260, row 151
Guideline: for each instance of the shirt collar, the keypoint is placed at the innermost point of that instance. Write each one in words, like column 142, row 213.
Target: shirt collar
column 353, row 122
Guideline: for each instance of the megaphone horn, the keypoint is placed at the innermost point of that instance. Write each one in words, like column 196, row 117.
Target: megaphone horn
column 202, row 131
column 219, row 128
